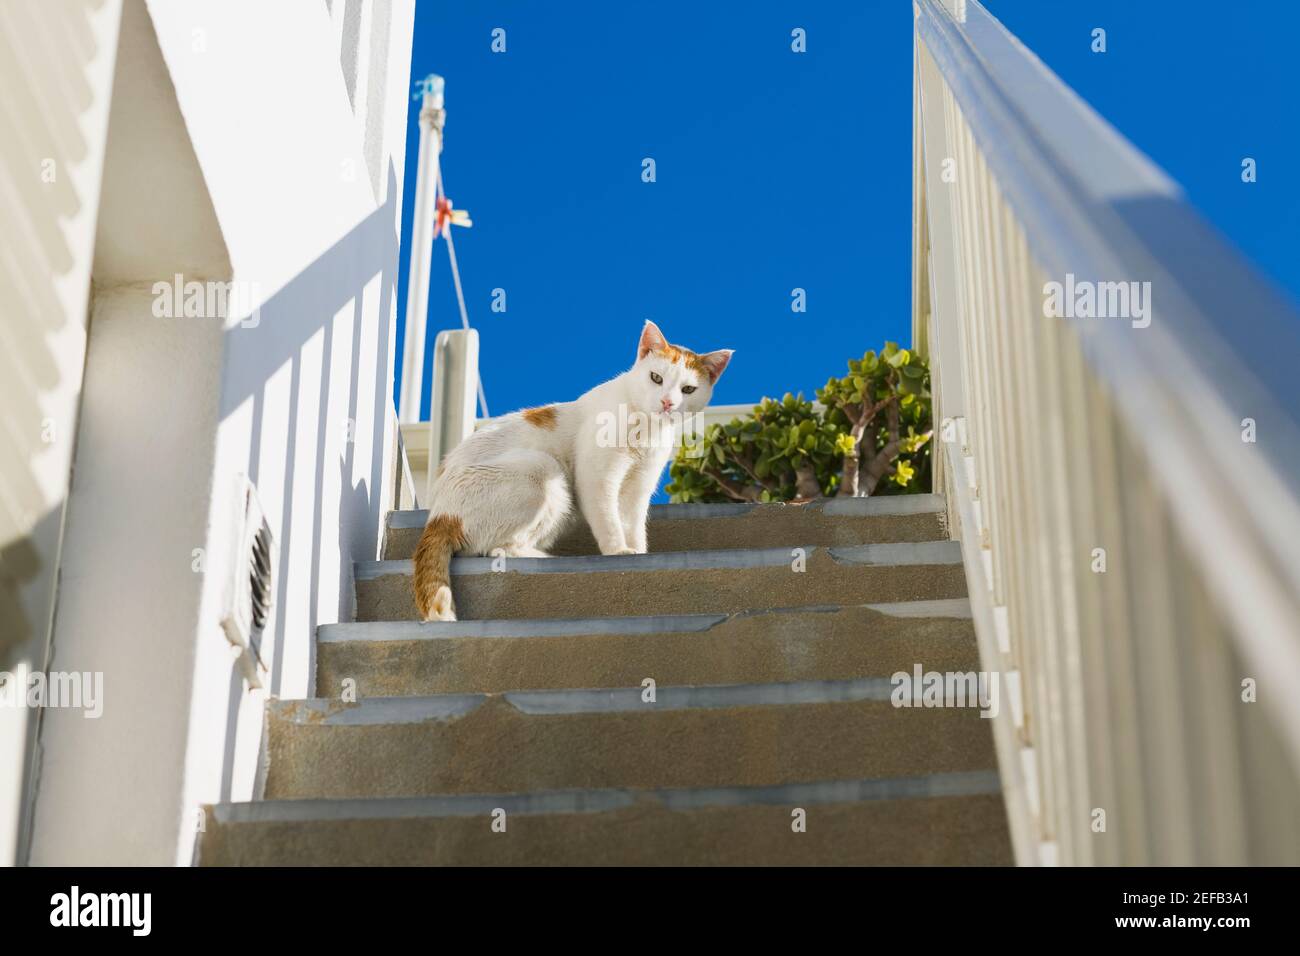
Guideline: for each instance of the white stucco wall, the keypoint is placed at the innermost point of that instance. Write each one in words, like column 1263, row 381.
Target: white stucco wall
column 56, row 67
column 298, row 400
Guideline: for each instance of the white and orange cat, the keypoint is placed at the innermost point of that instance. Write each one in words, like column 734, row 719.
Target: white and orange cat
column 509, row 488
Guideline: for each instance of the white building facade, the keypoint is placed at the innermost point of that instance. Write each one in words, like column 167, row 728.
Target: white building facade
column 203, row 201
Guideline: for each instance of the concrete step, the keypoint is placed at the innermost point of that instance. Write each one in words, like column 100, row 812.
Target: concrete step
column 829, row 521
column 713, row 736
column 945, row 819
column 392, row 659
column 682, row 582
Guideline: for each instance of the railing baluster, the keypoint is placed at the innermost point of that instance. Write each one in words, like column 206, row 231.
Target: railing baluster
column 1095, row 585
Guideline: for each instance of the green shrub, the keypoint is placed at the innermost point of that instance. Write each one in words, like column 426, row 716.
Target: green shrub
column 869, row 437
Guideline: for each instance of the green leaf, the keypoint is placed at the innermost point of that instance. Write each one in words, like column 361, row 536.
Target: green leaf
column 780, row 435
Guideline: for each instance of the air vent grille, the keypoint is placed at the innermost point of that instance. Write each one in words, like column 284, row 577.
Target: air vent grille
column 250, row 593
column 259, row 578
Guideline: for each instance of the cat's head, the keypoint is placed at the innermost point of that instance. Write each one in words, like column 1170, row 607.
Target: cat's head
column 668, row 379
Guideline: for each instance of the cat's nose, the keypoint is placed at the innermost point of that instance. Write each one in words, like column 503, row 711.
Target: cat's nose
column 667, row 403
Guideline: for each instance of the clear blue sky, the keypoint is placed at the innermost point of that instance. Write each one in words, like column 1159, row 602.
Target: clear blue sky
column 777, row 170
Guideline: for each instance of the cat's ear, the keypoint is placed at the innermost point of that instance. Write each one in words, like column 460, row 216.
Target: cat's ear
column 652, row 340
column 716, row 363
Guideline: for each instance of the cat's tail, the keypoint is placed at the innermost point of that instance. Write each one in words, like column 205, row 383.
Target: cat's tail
column 443, row 535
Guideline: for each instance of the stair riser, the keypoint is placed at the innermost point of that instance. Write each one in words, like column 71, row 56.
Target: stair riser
column 514, row 595
column 759, row 648
column 773, row 694
column 949, row 831
column 496, row 748
column 760, row 529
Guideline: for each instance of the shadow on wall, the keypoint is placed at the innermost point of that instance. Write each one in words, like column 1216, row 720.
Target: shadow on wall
column 20, row 563
column 43, row 141
column 287, row 323
column 50, row 65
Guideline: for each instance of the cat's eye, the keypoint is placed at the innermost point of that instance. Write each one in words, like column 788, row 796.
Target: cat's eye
column 687, row 389
column 656, row 378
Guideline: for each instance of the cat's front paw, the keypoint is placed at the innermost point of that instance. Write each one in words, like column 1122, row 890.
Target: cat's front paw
column 626, row 551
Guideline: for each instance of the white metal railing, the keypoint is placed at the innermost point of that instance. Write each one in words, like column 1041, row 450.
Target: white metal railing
column 424, row 442
column 1126, row 488
column 451, row 407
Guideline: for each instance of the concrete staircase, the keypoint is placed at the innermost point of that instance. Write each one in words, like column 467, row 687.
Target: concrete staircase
column 524, row 734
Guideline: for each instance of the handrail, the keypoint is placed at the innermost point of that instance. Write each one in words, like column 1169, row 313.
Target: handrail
column 1065, row 435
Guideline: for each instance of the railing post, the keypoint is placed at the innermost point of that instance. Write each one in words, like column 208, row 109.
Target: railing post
column 455, row 384
column 432, row 116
